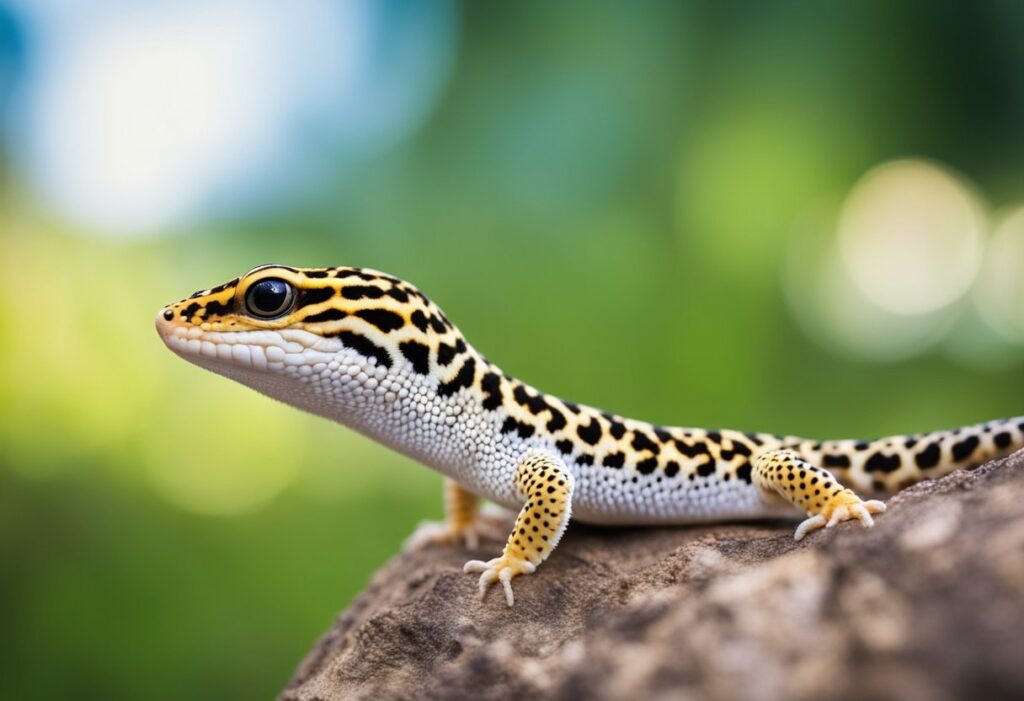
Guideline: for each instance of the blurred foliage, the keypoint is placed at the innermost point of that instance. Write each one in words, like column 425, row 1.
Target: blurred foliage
column 601, row 201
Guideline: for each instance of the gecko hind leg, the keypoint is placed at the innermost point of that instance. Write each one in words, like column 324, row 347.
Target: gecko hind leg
column 812, row 489
column 460, row 523
column 547, row 485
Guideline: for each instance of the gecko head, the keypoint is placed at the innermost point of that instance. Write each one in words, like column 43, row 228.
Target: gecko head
column 252, row 329
column 276, row 327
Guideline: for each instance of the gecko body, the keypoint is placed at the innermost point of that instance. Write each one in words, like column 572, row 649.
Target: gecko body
column 372, row 352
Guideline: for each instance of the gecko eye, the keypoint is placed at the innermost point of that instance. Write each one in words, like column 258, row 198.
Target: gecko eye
column 269, row 298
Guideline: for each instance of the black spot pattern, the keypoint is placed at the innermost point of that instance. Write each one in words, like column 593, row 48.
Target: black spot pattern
column 445, row 354
column 880, row 462
column 520, row 394
column 614, row 460
column 326, row 315
column 463, row 378
column 491, row 386
column 315, row 295
column 215, row 308
column 419, row 320
column 964, row 449
column 647, row 466
column 590, row 433
column 557, row 421
column 361, row 292
column 353, row 272
column 364, row 346
column 641, row 441
column 707, row 469
column 537, row 405
column 929, row 457
column 523, row 429
column 436, row 324
column 835, row 461
column 418, row 354
column 698, row 448
column 384, row 319
column 741, row 448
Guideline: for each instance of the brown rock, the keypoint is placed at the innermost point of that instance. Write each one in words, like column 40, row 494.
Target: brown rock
column 929, row 604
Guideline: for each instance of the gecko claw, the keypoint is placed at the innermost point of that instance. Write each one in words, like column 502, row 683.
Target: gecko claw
column 813, row 523
column 850, row 508
column 500, row 569
column 841, row 513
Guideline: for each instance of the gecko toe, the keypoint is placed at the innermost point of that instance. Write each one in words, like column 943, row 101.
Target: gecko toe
column 840, row 513
column 863, row 515
column 874, row 506
column 501, row 569
column 811, row 524
column 474, row 566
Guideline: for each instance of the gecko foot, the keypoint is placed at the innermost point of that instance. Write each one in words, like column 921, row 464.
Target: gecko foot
column 441, row 533
column 845, row 506
column 500, row 569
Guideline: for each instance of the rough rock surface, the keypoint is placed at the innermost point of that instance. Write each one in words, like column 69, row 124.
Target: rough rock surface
column 929, row 604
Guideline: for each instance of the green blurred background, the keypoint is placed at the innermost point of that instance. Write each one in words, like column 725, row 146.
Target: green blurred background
column 799, row 217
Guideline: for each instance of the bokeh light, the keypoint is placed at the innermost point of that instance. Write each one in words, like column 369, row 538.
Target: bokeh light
column 972, row 343
column 887, row 273
column 831, row 309
column 10, row 55
column 1000, row 288
column 910, row 236
column 142, row 117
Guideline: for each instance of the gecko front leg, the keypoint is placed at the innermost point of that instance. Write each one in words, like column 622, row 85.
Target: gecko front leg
column 812, row 489
column 547, row 485
column 460, row 510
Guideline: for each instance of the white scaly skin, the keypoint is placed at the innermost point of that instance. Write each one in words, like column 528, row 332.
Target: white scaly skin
column 369, row 351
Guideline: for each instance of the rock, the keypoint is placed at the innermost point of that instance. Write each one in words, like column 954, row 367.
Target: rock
column 928, row 604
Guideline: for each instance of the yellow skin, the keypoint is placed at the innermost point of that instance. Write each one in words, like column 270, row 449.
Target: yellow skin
column 547, row 486
column 816, row 491
column 372, row 352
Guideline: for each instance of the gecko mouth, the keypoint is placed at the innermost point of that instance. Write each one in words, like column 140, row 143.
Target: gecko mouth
column 258, row 349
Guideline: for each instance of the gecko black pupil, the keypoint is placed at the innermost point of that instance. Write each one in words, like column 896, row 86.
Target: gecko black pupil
column 269, row 298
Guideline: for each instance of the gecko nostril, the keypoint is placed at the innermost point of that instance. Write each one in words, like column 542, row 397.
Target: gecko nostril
column 168, row 314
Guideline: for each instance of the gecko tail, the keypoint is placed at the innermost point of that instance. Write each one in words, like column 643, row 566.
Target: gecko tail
column 889, row 464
